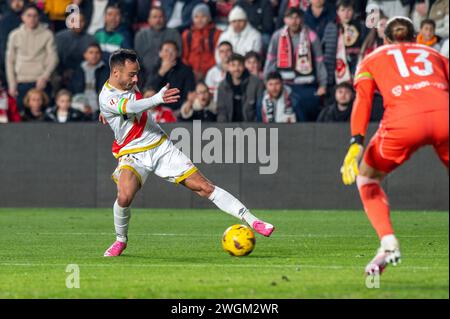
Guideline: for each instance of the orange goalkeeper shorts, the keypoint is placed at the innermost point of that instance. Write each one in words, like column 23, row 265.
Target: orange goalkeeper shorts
column 393, row 144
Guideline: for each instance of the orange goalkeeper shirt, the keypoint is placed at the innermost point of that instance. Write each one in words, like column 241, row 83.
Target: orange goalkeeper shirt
column 412, row 78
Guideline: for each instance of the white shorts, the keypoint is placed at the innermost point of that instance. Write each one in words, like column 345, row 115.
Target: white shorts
column 165, row 160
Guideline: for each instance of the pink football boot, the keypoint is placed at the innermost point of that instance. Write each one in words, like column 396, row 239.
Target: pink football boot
column 263, row 228
column 116, row 249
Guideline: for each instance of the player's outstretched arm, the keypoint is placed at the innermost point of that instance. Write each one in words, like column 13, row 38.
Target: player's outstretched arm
column 165, row 96
column 360, row 118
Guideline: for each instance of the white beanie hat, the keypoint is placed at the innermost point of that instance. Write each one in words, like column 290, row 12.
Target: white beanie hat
column 237, row 13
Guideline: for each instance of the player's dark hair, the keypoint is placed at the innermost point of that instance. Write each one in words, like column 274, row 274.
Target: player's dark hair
column 400, row 29
column 236, row 57
column 274, row 76
column 119, row 57
column 252, row 55
column 429, row 22
column 345, row 4
column 169, row 42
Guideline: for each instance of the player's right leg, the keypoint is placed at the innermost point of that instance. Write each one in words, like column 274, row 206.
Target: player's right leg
column 226, row 202
column 128, row 184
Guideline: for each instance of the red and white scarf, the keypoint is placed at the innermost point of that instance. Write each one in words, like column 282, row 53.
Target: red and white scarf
column 302, row 55
column 279, row 110
column 342, row 72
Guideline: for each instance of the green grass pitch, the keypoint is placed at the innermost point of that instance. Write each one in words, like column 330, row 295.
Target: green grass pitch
column 178, row 254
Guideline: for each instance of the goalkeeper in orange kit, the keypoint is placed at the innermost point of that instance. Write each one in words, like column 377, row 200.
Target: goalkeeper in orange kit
column 413, row 80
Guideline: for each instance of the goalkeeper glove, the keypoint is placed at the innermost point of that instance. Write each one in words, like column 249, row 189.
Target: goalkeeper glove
column 349, row 169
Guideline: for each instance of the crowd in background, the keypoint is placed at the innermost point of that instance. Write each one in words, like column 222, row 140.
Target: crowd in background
column 282, row 61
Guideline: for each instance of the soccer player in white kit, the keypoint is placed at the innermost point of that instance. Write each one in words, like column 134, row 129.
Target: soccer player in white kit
column 142, row 147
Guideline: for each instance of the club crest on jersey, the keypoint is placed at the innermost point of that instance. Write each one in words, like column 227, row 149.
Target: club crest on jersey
column 397, row 91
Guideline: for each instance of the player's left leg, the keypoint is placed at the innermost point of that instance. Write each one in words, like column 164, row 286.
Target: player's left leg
column 226, row 202
column 376, row 206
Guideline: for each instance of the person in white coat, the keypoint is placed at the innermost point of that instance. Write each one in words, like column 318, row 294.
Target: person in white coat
column 243, row 37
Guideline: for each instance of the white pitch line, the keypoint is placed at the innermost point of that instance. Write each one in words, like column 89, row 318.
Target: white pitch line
column 336, row 267
column 219, row 235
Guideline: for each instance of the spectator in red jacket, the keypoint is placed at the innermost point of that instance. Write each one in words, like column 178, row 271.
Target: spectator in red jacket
column 199, row 42
column 8, row 107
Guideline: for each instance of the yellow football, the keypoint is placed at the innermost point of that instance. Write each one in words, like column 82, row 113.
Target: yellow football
column 238, row 240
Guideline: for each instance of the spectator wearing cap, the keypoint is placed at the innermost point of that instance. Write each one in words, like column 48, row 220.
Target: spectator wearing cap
column 342, row 43
column 242, row 36
column 8, row 22
column 340, row 109
column 199, row 42
column 277, row 104
column 71, row 44
column 31, row 56
column 113, row 36
column 217, row 73
column 239, row 93
column 147, row 42
column 90, row 76
column 261, row 16
column 295, row 52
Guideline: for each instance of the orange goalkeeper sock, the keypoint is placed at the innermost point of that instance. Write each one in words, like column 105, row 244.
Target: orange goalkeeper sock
column 376, row 205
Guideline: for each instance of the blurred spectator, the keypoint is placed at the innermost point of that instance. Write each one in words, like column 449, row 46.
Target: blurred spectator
column 56, row 12
column 94, row 11
column 31, row 56
column 170, row 69
column 179, row 13
column 223, row 9
column 90, row 76
column 287, row 4
column 318, row 15
column 253, row 64
column 392, row 8
column 242, row 36
column 71, row 45
column 217, row 73
column 261, row 16
column 438, row 11
column 238, row 93
column 427, row 36
column 199, row 42
column 342, row 43
column 341, row 109
column 276, row 105
column 295, row 51
column 375, row 38
column 160, row 114
column 80, row 102
column 8, row 107
column 199, row 105
column 8, row 22
column 35, row 102
column 148, row 42
column 63, row 112
column 444, row 49
column 112, row 37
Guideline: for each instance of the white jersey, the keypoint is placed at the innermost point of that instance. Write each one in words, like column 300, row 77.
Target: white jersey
column 133, row 133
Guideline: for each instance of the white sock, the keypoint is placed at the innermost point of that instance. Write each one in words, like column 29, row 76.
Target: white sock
column 231, row 205
column 122, row 217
